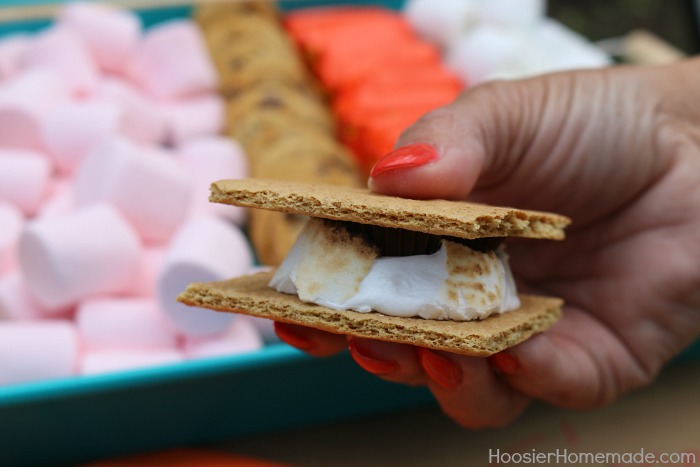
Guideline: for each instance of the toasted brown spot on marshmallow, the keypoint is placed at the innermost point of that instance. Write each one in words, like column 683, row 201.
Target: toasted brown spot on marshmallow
column 337, row 264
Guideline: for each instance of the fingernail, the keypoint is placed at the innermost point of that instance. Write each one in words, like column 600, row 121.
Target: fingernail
column 441, row 370
column 291, row 337
column 405, row 157
column 505, row 363
column 369, row 362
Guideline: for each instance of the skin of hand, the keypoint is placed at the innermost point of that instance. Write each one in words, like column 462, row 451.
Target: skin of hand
column 618, row 151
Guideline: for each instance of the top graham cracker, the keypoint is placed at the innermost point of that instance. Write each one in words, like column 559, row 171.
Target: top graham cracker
column 460, row 219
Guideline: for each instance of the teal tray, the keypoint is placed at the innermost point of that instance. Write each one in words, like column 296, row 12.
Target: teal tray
column 69, row 421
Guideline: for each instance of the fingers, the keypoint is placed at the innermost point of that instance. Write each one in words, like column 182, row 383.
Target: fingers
column 469, row 391
column 392, row 362
column 397, row 363
column 578, row 363
column 312, row 341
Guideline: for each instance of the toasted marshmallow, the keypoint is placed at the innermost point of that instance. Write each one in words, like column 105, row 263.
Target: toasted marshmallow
column 333, row 268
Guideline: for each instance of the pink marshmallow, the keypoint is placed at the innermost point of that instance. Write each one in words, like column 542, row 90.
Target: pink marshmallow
column 110, row 34
column 88, row 252
column 37, row 351
column 15, row 301
column 142, row 119
column 151, row 262
column 64, row 52
column 204, row 249
column 193, row 117
column 150, row 187
column 108, row 361
column 11, row 51
column 127, row 323
column 58, row 201
column 172, row 61
column 208, row 160
column 11, row 224
column 24, row 178
column 23, row 103
column 241, row 337
column 71, row 131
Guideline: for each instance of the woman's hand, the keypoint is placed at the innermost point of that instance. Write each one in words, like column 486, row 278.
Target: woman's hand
column 618, row 151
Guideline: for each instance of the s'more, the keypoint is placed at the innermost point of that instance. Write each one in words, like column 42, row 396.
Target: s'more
column 431, row 273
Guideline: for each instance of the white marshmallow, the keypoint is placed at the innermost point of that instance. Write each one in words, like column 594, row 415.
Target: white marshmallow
column 241, row 337
column 24, row 178
column 193, row 117
column 88, row 252
column 23, row 102
column 108, row 361
column 37, row 351
column 127, row 323
column 208, row 160
column 513, row 13
column 204, row 249
column 151, row 262
column 493, row 51
column 142, row 120
column 64, row 52
column 172, row 61
column 332, row 268
column 442, row 21
column 71, row 131
column 487, row 51
column 15, row 301
column 12, row 49
column 557, row 48
column 110, row 34
column 150, row 187
column 11, row 224
column 313, row 261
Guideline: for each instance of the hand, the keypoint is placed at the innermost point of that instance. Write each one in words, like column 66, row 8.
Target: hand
column 618, row 151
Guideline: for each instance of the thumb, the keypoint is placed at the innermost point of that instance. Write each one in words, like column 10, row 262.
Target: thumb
column 474, row 142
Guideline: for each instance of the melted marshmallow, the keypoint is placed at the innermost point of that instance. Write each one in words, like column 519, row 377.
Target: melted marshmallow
column 330, row 267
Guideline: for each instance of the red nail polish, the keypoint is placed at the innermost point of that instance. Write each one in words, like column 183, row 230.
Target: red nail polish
column 291, row 337
column 369, row 362
column 505, row 363
column 405, row 157
column 441, row 370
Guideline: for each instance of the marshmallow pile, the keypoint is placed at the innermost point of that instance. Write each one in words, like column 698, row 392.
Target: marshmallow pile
column 108, row 143
column 505, row 39
column 331, row 267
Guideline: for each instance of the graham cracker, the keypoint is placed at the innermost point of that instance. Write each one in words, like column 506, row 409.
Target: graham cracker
column 437, row 217
column 251, row 295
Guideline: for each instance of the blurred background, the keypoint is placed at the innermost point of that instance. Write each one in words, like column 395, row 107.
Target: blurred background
column 674, row 21
column 235, row 387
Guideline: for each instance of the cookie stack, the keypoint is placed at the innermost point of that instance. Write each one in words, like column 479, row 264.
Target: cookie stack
column 274, row 109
